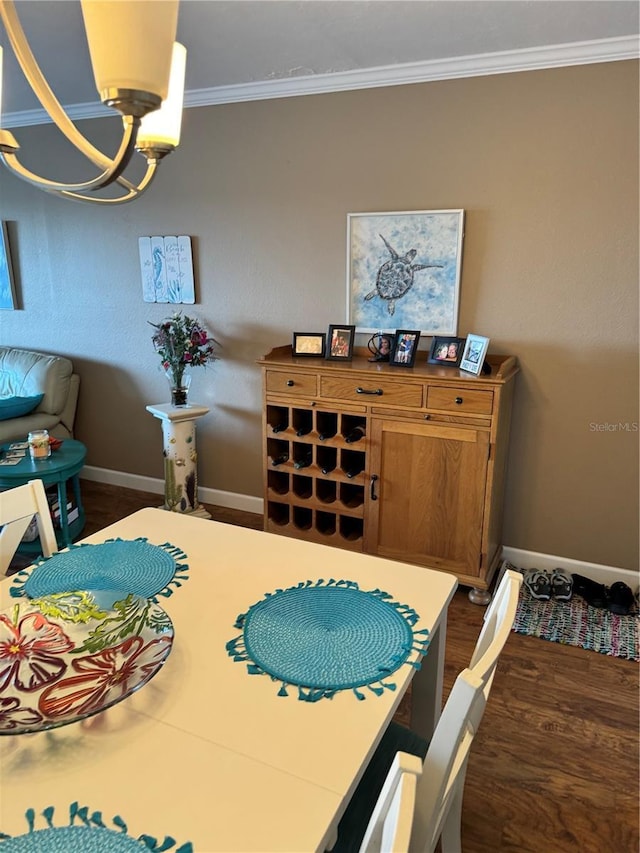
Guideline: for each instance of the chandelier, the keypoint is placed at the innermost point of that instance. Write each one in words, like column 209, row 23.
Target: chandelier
column 139, row 71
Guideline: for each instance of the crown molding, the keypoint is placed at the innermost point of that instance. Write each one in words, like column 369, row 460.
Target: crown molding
column 477, row 65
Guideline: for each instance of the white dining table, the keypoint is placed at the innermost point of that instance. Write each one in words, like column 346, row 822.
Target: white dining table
column 205, row 752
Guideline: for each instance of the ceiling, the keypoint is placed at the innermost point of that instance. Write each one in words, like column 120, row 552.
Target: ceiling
column 250, row 49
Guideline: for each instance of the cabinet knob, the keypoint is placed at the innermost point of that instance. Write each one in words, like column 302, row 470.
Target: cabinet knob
column 427, row 417
column 458, row 401
column 290, row 383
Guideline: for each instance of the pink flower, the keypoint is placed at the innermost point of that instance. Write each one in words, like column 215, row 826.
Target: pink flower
column 28, row 652
column 104, row 678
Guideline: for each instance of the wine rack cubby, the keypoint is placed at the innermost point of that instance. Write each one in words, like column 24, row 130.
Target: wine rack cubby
column 316, row 470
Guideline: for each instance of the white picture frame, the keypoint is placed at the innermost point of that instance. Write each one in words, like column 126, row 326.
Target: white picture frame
column 404, row 269
column 166, row 269
column 475, row 349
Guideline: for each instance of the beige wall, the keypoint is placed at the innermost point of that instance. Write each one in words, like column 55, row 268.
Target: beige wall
column 545, row 165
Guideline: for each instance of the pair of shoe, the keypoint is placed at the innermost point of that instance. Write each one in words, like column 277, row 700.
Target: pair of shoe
column 618, row 598
column 543, row 585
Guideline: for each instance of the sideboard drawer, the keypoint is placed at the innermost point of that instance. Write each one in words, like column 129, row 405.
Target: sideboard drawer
column 460, row 399
column 374, row 390
column 285, row 382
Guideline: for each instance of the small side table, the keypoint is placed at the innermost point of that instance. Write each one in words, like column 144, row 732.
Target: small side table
column 180, row 457
column 63, row 465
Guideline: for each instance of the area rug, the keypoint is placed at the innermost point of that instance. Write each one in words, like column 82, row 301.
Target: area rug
column 575, row 623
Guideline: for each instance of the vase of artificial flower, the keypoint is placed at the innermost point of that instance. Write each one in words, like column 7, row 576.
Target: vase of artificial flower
column 179, row 387
column 182, row 343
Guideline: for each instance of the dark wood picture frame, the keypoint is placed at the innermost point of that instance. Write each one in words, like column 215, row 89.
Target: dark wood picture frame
column 340, row 339
column 309, row 345
column 441, row 351
column 405, row 348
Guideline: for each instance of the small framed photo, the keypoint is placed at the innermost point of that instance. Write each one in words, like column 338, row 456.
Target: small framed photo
column 340, row 342
column 475, row 350
column 446, row 351
column 381, row 346
column 309, row 344
column 406, row 346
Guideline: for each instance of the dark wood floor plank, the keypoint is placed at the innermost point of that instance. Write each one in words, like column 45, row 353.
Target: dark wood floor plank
column 554, row 767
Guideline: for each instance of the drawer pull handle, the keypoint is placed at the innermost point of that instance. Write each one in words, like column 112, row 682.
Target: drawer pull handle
column 427, row 417
column 290, row 383
column 376, row 391
column 374, row 477
column 458, row 401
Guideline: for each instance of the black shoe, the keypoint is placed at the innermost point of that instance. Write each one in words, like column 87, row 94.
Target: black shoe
column 620, row 599
column 595, row 594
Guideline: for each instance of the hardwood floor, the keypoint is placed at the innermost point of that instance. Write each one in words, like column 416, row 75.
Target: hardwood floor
column 554, row 768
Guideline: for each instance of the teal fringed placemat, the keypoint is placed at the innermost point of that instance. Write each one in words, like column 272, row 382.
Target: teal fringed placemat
column 328, row 636
column 85, row 834
column 132, row 566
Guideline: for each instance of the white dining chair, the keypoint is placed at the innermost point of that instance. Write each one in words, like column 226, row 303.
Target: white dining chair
column 438, row 796
column 18, row 506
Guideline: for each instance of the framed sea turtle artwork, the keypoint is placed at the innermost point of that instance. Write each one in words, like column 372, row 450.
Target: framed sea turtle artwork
column 403, row 270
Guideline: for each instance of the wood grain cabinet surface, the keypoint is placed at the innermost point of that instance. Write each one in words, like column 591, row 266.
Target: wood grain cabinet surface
column 407, row 464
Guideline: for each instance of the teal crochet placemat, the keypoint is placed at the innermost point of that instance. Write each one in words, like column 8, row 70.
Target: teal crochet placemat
column 327, row 636
column 86, row 833
column 123, row 565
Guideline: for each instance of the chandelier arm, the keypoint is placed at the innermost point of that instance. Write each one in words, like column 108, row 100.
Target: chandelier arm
column 41, row 88
column 111, row 174
column 133, row 191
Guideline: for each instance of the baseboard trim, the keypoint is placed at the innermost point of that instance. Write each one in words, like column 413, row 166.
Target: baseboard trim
column 218, row 497
column 248, row 503
column 596, row 571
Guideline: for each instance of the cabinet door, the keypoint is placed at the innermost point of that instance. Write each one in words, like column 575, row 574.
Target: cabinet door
column 427, row 505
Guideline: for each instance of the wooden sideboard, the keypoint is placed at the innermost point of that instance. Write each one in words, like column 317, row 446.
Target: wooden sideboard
column 405, row 463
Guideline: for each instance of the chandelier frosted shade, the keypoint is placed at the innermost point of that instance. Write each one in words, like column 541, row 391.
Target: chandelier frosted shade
column 160, row 130
column 130, row 46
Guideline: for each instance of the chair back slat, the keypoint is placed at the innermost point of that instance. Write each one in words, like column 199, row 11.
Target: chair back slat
column 18, row 506
column 498, row 622
column 446, row 762
column 391, row 821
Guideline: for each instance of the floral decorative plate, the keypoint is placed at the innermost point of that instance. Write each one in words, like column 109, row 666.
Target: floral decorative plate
column 67, row 656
